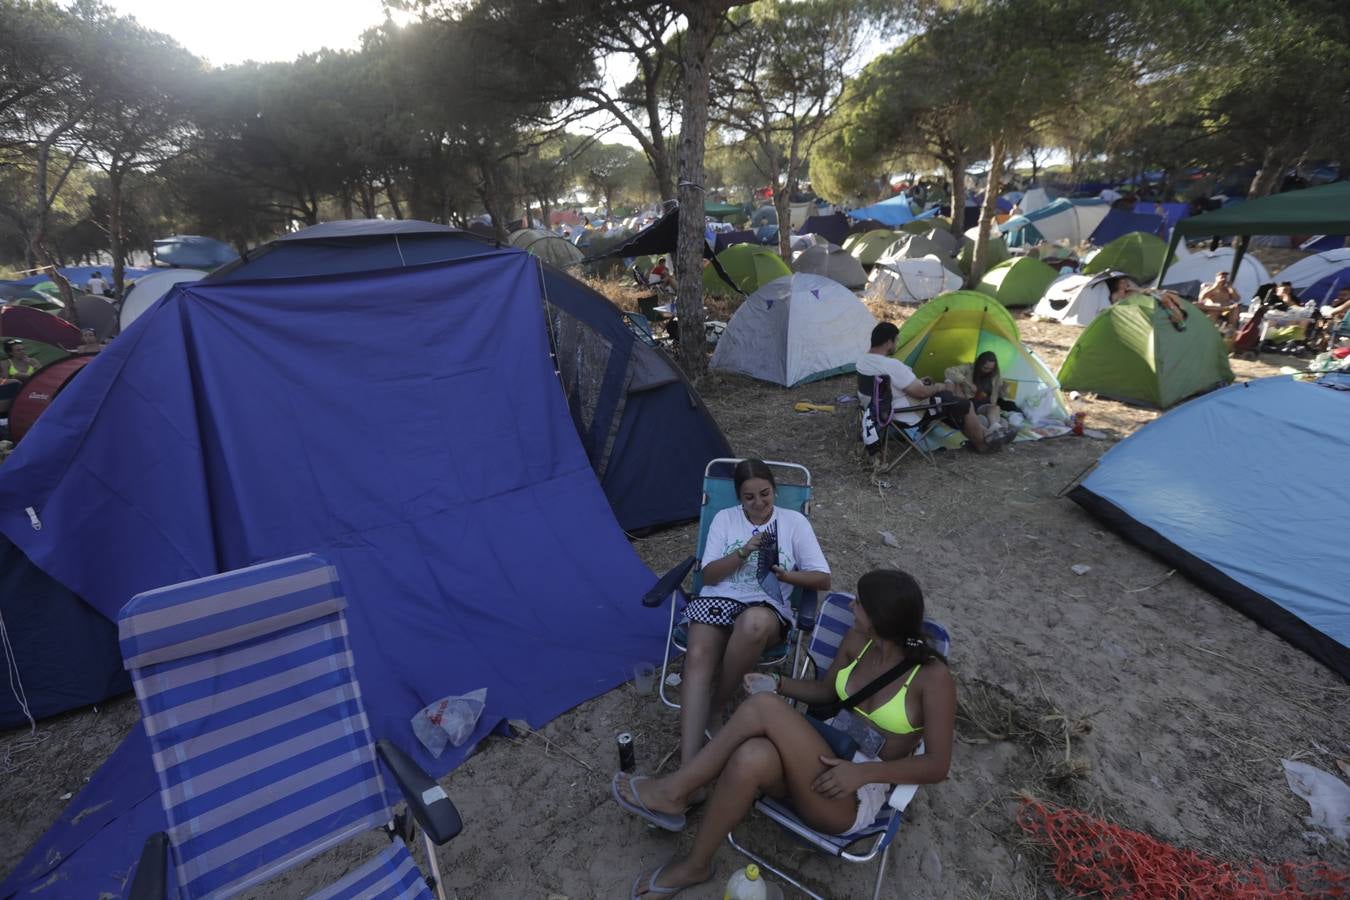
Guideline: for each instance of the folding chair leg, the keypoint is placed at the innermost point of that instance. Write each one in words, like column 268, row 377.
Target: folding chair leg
column 765, row 864
column 665, row 662
column 881, row 872
column 435, row 876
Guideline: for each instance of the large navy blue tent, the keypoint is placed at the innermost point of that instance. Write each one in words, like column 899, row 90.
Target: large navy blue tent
column 642, row 424
column 464, row 517
column 1202, row 487
column 834, row 227
column 64, row 650
column 1121, row 222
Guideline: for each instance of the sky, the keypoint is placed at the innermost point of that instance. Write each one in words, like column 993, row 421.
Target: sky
column 260, row 30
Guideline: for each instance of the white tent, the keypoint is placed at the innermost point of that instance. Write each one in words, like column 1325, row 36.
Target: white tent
column 1202, row 265
column 834, row 263
column 1311, row 269
column 1035, row 199
column 918, row 246
column 1062, row 220
column 1074, row 299
column 911, row 280
column 149, row 288
column 795, row 329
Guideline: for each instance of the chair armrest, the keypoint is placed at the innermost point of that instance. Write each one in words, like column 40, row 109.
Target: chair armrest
column 426, row 799
column 150, row 883
column 806, row 611
column 668, row 584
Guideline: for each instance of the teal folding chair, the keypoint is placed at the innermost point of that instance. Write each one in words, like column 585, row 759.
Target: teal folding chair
column 872, row 841
column 793, row 491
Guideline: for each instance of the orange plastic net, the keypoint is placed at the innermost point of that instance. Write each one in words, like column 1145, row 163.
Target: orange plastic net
column 1090, row 855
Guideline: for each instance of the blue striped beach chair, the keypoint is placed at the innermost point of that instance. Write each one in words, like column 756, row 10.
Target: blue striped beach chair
column 833, row 622
column 261, row 745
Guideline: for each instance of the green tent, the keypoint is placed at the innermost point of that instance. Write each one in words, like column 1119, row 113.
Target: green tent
column 918, row 226
column 551, row 248
column 869, row 246
column 1132, row 352
column 1017, row 282
column 45, row 354
column 998, row 249
column 1318, row 210
column 1137, row 254
column 718, row 210
column 750, row 266
column 953, row 328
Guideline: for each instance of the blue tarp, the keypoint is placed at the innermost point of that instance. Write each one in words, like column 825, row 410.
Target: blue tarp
column 407, row 425
column 1120, row 222
column 891, row 212
column 192, row 251
column 1267, row 541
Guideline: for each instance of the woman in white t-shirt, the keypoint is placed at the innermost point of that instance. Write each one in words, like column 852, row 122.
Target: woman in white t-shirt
column 734, row 619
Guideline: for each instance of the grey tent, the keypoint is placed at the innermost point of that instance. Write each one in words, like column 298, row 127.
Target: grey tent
column 917, row 246
column 551, row 248
column 834, row 263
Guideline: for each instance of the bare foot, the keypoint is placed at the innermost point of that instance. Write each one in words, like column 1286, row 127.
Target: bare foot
column 653, row 793
column 673, row 876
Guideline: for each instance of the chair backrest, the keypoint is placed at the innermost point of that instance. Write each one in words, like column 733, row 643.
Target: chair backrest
column 249, row 697
column 640, row 326
column 792, row 491
column 835, row 618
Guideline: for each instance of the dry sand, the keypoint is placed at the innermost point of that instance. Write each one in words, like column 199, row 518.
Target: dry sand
column 1128, row 690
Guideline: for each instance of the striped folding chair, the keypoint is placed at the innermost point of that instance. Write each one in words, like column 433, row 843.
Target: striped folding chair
column 832, row 623
column 261, row 745
column 793, row 491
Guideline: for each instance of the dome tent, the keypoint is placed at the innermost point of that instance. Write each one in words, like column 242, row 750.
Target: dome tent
column 1017, row 282
column 1202, row 265
column 1310, row 269
column 551, row 248
column 869, row 246
column 832, row 262
column 954, row 328
column 1133, row 352
column 917, row 246
column 1075, row 299
column 749, row 266
column 1272, row 548
column 1137, row 254
column 937, row 233
column 998, row 249
column 628, row 400
column 795, row 329
column 150, row 288
column 911, row 280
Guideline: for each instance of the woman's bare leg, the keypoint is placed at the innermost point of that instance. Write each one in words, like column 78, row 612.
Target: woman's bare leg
column 799, row 747
column 704, row 653
column 754, row 630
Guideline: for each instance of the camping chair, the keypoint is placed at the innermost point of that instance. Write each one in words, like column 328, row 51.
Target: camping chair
column 719, row 493
column 833, row 622
column 641, row 327
column 884, row 424
column 264, row 755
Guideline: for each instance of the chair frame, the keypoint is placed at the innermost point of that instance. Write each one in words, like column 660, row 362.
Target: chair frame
column 880, row 845
column 885, row 428
column 669, row 586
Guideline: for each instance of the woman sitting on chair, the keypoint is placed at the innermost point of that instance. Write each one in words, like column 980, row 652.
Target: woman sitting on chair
column 735, row 620
column 768, row 747
column 981, row 383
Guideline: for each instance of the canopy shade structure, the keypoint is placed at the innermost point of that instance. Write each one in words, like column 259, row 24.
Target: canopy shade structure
column 1318, row 210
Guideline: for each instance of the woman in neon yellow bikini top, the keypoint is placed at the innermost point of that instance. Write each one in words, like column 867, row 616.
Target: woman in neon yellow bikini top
column 770, row 748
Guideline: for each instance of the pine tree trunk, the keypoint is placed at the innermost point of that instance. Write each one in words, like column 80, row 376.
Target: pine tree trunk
column 956, row 173
column 698, row 37
column 979, row 261
column 115, row 175
column 1268, row 176
column 394, row 206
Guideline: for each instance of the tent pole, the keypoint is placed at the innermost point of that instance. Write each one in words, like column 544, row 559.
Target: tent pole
column 1237, row 258
column 1171, row 249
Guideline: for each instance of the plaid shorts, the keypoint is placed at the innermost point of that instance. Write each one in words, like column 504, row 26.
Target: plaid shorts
column 723, row 611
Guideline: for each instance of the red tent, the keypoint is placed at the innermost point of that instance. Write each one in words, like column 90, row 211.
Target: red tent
column 39, row 391
column 36, row 325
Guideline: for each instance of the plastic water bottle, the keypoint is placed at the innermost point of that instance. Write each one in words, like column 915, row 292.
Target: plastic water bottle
column 745, row 884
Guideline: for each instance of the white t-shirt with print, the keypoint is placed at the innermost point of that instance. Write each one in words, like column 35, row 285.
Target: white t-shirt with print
column 97, row 286
column 797, row 549
column 902, row 376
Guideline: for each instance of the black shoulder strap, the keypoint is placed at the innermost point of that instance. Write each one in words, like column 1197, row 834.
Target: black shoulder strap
column 829, row 710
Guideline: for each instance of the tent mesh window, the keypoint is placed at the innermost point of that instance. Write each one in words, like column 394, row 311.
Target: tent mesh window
column 583, row 357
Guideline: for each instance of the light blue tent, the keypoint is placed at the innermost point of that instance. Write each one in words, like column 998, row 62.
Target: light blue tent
column 1062, row 220
column 895, row 211
column 1268, row 541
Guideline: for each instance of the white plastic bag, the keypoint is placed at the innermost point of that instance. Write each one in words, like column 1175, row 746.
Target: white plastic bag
column 449, row 720
column 1328, row 796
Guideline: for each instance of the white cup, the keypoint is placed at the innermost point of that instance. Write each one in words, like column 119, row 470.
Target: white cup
column 644, row 677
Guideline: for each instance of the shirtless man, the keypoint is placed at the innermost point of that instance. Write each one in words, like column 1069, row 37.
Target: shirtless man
column 1220, row 301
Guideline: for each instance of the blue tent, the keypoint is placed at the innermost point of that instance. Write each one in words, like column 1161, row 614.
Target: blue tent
column 1268, row 543
column 1120, row 222
column 63, row 649
column 642, row 424
column 1324, row 290
column 191, row 251
column 472, row 538
column 891, row 212
column 727, row 239
column 78, row 275
column 834, row 227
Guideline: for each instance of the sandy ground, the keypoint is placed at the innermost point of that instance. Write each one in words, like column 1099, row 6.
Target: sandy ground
column 1127, row 691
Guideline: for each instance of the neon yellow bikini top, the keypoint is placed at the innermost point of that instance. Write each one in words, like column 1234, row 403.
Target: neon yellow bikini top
column 891, row 716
